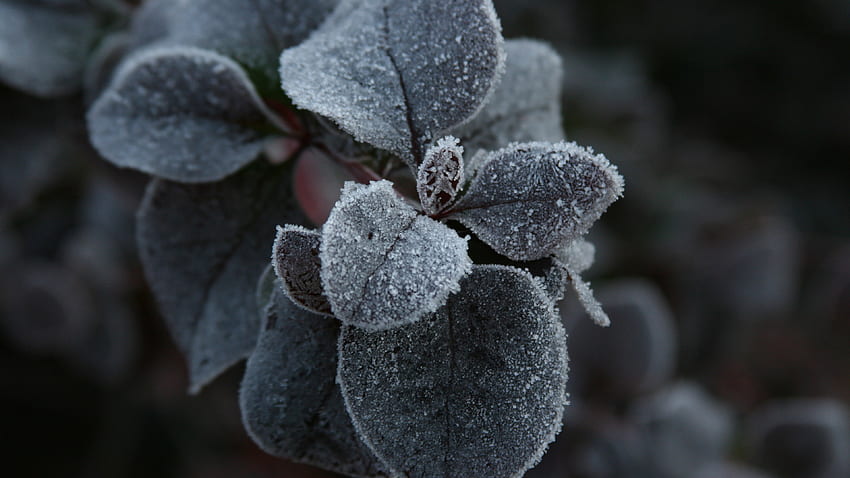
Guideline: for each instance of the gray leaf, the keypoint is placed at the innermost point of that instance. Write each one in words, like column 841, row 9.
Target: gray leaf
column 529, row 199
column 526, row 105
column 476, row 389
column 266, row 285
column 396, row 73
column 384, row 265
column 295, row 256
column 43, row 47
column 291, row 405
column 183, row 114
column 251, row 32
column 203, row 248
column 440, row 175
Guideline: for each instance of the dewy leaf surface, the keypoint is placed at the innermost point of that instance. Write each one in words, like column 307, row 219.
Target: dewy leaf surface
column 383, row 264
column 252, row 32
column 295, row 256
column 475, row 389
column 291, row 404
column 396, row 73
column 203, row 248
column 529, row 199
column 182, row 114
column 526, row 106
column 44, row 46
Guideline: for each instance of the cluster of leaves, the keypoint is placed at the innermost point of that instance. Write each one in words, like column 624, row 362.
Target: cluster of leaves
column 376, row 346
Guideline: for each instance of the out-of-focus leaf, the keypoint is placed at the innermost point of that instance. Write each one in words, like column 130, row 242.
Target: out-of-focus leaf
column 440, row 175
column 396, row 73
column 183, row 114
column 290, row 401
column 475, row 389
column 384, row 265
column 43, row 45
column 203, row 248
column 295, row 257
column 530, row 199
column 102, row 64
column 526, row 105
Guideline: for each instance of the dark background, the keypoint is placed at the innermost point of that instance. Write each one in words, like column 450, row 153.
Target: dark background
column 730, row 121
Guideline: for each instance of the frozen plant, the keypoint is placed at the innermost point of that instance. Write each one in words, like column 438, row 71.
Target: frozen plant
column 376, row 345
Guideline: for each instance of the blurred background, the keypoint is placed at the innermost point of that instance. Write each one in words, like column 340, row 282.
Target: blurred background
column 725, row 268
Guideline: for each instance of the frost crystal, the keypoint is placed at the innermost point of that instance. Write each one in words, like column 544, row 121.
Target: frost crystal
column 295, row 256
column 396, row 73
column 529, row 199
column 440, row 175
column 475, row 389
column 384, row 265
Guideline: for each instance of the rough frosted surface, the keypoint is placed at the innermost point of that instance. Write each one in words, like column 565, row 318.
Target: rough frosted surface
column 440, row 175
column 43, row 47
column 384, row 265
column 252, row 32
column 529, row 199
column 526, row 106
column 475, row 390
column 578, row 255
column 554, row 280
column 203, row 247
column 396, row 73
column 182, row 114
column 291, row 405
column 585, row 296
column 296, row 262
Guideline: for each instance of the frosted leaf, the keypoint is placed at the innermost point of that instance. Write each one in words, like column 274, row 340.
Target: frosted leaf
column 183, row 114
column 554, row 280
column 291, row 404
column 44, row 46
column 203, row 248
column 529, row 199
column 384, row 265
column 526, row 106
column 585, row 297
column 475, row 389
column 253, row 33
column 296, row 262
column 440, row 175
column 396, row 73
column 266, row 285
column 578, row 255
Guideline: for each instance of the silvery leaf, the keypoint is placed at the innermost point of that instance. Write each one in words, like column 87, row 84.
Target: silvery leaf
column 383, row 264
column 43, row 45
column 291, row 405
column 182, row 114
column 396, row 73
column 440, row 175
column 529, row 199
column 475, row 389
column 295, row 256
column 203, row 247
column 526, row 105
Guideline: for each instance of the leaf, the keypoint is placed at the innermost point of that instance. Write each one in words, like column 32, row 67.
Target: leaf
column 526, row 106
column 440, row 175
column 396, row 73
column 290, row 402
column 554, row 280
column 529, row 199
column 475, row 389
column 182, row 114
column 44, row 45
column 203, row 247
column 384, row 265
column 296, row 262
column 251, row 32
column 103, row 62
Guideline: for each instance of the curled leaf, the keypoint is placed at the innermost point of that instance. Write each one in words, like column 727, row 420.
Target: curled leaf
column 396, row 73
column 182, row 114
column 290, row 402
column 384, row 265
column 440, row 175
column 526, row 106
column 203, row 247
column 529, row 199
column 475, row 389
column 296, row 262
